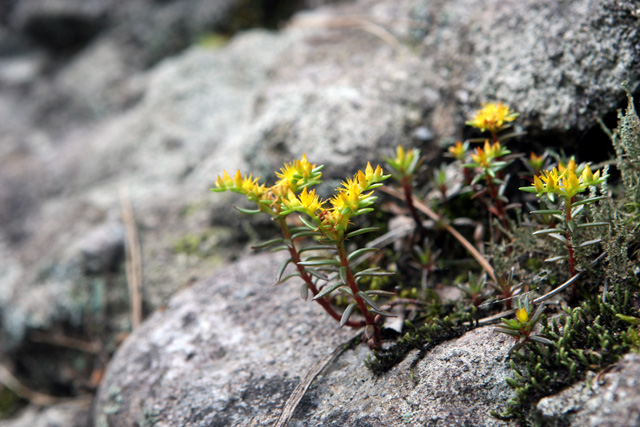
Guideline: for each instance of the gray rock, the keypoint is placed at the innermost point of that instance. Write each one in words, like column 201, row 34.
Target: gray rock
column 611, row 398
column 230, row 349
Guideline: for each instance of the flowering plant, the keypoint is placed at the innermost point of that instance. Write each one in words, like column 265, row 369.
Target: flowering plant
column 330, row 267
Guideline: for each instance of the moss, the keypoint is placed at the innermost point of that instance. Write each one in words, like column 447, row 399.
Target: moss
column 586, row 339
column 436, row 330
column 599, row 323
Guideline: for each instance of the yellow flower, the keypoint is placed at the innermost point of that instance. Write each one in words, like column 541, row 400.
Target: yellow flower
column 550, row 179
column 405, row 163
column 588, row 177
column 223, row 182
column 400, row 155
column 493, row 151
column 287, row 176
column 346, row 201
column 538, row 184
column 309, row 202
column 570, row 166
column 482, row 157
column 536, row 161
column 522, row 315
column 459, row 150
column 571, row 184
column 246, row 185
column 492, row 117
column 298, row 174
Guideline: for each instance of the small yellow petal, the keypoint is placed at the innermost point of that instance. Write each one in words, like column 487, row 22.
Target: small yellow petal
column 522, row 315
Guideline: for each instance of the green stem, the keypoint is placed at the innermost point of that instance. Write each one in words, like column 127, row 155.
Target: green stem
column 351, row 282
column 295, row 256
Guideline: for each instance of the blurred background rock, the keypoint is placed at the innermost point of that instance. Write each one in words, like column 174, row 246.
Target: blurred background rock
column 107, row 103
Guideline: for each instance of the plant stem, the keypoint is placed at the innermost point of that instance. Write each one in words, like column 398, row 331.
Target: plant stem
column 420, row 231
column 572, row 258
column 351, row 282
column 295, row 256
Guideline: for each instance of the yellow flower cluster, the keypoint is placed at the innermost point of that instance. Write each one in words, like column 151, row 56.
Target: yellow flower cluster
column 246, row 185
column 565, row 181
column 291, row 194
column 493, row 117
column 296, row 175
column 484, row 157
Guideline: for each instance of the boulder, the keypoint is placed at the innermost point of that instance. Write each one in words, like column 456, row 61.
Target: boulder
column 609, row 398
column 230, row 349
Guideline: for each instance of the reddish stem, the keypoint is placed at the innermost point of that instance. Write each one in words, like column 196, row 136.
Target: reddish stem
column 351, row 282
column 494, row 136
column 572, row 258
column 499, row 208
column 324, row 302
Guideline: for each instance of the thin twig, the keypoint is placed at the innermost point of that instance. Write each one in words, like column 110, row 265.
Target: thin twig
column 304, row 384
column 133, row 262
column 459, row 237
column 568, row 282
column 363, row 24
column 91, row 347
column 545, row 296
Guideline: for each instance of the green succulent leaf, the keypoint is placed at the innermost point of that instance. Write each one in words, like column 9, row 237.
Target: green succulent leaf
column 268, row 243
column 316, row 273
column 318, row 262
column 304, row 291
column 247, row 211
column 369, row 301
column 362, row 231
column 284, row 279
column 279, row 248
column 359, row 252
column 586, row 201
column 548, row 231
column 316, row 248
column 328, row 289
column 347, row 313
column 593, row 224
column 310, row 225
column 306, row 233
column 281, row 268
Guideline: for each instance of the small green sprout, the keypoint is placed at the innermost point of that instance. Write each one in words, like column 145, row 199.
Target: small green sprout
column 506, row 288
column 405, row 164
column 403, row 168
column 521, row 328
column 474, row 290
